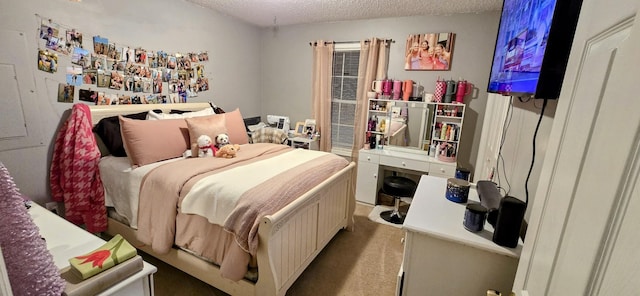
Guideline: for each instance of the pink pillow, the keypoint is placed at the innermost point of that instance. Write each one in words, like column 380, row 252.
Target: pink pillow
column 149, row 141
column 210, row 125
column 235, row 127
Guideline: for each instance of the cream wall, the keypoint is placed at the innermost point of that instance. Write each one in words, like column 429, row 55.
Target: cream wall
column 170, row 25
column 286, row 62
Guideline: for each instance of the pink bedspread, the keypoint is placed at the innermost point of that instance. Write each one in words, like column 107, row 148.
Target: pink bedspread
column 163, row 189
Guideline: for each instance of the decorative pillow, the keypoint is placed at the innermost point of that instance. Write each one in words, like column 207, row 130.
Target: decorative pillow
column 203, row 112
column 235, row 127
column 211, row 126
column 108, row 130
column 149, row 141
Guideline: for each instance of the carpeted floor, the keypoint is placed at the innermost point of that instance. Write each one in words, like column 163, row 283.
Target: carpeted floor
column 363, row 262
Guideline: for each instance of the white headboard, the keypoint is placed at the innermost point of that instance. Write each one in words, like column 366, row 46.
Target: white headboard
column 102, row 111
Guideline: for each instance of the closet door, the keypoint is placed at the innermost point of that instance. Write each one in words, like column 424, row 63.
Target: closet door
column 19, row 123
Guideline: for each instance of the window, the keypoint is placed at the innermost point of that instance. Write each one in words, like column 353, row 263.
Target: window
column 344, row 85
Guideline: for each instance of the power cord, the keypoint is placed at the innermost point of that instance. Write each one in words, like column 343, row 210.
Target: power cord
column 533, row 155
column 506, row 124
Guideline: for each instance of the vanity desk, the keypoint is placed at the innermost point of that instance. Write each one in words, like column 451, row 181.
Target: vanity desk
column 372, row 164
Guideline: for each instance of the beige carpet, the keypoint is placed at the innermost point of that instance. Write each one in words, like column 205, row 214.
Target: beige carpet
column 363, row 262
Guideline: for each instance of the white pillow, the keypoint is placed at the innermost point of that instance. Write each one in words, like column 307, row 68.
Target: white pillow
column 158, row 116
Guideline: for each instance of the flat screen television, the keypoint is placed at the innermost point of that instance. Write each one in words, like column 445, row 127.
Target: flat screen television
column 532, row 47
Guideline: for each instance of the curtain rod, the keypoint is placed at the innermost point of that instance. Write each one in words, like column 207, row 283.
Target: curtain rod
column 342, row 42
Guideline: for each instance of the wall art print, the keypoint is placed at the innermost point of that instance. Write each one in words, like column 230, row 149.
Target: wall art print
column 430, row 51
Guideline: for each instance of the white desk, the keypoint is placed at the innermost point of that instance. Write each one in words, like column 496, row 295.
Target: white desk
column 373, row 162
column 441, row 257
column 65, row 240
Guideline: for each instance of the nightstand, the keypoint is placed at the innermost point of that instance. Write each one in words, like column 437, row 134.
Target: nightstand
column 305, row 143
column 65, row 240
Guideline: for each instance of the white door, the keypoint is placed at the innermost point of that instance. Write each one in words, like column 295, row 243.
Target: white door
column 583, row 237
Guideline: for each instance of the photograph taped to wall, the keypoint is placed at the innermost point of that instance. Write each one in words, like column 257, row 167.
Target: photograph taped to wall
column 74, row 38
column 100, row 45
column 79, row 57
column 104, row 78
column 87, row 95
column 74, row 76
column 48, row 29
column 113, row 52
column 141, row 56
column 89, row 76
column 58, row 44
column 430, row 51
column 65, row 93
column 47, row 61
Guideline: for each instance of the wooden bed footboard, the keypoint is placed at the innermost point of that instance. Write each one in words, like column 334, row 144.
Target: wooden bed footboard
column 289, row 240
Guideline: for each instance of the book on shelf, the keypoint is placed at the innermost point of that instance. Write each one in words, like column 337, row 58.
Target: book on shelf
column 78, row 286
column 114, row 252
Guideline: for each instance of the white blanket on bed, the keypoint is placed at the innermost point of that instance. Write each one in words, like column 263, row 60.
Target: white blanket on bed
column 214, row 198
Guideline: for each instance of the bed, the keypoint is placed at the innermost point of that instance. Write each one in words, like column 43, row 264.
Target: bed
column 286, row 241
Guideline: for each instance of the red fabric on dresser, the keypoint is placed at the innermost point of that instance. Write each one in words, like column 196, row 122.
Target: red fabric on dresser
column 75, row 178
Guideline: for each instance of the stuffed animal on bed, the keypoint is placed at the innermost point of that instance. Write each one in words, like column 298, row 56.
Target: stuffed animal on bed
column 228, row 151
column 205, row 147
column 222, row 140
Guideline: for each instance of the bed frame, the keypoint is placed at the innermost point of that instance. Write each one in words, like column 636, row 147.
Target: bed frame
column 289, row 240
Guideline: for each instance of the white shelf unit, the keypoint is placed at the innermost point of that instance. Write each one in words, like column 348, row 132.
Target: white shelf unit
column 446, row 130
column 379, row 112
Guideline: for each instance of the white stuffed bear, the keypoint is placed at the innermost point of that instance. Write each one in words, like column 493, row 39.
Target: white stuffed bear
column 205, row 149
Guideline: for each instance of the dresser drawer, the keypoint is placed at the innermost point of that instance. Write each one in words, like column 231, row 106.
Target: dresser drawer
column 405, row 163
column 368, row 157
column 443, row 170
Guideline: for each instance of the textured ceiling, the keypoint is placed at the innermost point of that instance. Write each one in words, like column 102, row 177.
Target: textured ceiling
column 265, row 13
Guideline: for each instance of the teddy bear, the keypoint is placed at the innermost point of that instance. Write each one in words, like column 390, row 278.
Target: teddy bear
column 205, row 147
column 222, row 140
column 228, row 151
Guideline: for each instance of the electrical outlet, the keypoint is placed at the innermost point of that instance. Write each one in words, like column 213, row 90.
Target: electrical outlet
column 52, row 206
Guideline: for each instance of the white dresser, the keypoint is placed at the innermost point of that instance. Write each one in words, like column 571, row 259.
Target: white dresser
column 373, row 162
column 441, row 257
column 65, row 240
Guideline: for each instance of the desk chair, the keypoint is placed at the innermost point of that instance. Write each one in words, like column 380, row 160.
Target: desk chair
column 398, row 187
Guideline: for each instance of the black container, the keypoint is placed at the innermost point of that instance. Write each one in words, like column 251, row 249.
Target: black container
column 474, row 217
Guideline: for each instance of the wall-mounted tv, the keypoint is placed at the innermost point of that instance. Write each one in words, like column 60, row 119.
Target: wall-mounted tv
column 532, row 47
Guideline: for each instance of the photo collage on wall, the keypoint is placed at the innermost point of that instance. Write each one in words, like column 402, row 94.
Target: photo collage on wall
column 135, row 74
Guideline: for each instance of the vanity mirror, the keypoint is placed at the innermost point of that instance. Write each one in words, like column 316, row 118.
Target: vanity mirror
column 401, row 124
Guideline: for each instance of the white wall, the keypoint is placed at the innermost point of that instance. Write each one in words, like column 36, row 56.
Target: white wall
column 233, row 68
column 287, row 61
column 510, row 171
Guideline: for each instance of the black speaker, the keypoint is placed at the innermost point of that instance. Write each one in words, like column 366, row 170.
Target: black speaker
column 510, row 216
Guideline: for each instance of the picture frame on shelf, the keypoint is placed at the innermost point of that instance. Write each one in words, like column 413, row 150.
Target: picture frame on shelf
column 309, row 127
column 299, row 128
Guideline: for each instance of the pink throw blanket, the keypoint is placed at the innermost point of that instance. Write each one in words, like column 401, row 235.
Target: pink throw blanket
column 74, row 174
